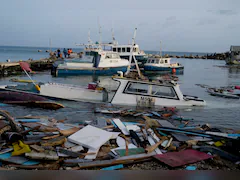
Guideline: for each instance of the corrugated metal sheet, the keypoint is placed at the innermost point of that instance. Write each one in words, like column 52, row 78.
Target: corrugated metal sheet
column 235, row 48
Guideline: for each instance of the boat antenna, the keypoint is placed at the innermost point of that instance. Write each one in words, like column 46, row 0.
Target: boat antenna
column 50, row 44
column 161, row 49
column 100, row 34
column 132, row 56
column 113, row 38
column 89, row 39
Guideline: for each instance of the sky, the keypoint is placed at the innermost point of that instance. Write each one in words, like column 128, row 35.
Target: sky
column 186, row 25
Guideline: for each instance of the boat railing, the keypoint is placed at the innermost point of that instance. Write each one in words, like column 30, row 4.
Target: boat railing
column 65, row 85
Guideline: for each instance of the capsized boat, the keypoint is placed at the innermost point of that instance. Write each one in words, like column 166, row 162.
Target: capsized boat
column 95, row 62
column 222, row 93
column 129, row 91
column 29, row 100
column 159, row 64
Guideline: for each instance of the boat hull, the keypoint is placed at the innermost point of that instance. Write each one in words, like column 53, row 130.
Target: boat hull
column 167, row 69
column 90, row 71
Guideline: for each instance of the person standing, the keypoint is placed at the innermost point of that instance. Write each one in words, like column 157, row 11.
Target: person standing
column 58, row 53
column 69, row 52
column 65, row 52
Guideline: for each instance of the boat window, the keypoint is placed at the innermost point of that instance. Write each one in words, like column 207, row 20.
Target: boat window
column 119, row 49
column 157, row 61
column 128, row 49
column 161, row 62
column 114, row 49
column 149, row 61
column 152, row 61
column 123, row 49
column 137, row 88
column 163, row 91
column 166, row 61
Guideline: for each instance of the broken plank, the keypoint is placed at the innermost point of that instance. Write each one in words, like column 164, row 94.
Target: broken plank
column 37, row 148
column 152, row 143
column 121, row 126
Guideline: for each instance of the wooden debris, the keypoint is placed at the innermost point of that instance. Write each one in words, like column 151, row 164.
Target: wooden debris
column 54, row 142
column 69, row 132
column 37, row 148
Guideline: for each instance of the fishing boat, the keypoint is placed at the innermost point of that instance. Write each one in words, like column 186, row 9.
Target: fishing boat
column 222, row 93
column 95, row 62
column 158, row 64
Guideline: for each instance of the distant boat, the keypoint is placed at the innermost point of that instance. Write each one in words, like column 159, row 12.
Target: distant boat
column 39, row 50
column 158, row 64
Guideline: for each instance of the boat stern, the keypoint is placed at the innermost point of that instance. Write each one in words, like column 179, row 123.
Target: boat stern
column 194, row 101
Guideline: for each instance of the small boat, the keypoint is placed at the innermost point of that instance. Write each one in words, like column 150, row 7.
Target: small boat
column 222, row 93
column 94, row 62
column 130, row 92
column 158, row 64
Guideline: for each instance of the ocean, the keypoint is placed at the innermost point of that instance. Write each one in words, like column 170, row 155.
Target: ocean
column 219, row 112
column 16, row 53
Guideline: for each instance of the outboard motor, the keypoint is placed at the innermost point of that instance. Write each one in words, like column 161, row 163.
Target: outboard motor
column 105, row 95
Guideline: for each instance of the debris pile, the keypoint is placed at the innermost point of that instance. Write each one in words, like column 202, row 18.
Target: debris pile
column 158, row 137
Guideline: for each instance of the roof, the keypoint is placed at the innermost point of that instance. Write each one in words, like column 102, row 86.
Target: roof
column 164, row 82
column 235, row 48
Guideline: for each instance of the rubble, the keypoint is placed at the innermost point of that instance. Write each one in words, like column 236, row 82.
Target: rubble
column 159, row 139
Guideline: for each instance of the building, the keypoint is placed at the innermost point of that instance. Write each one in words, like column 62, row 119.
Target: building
column 234, row 55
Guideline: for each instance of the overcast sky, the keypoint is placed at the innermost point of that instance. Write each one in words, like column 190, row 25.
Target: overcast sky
column 181, row 25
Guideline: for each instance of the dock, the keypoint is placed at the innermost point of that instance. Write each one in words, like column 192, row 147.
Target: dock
column 13, row 68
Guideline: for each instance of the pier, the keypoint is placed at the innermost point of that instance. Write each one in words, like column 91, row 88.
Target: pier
column 13, row 68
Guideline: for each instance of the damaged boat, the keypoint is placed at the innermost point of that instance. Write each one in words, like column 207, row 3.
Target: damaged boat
column 130, row 92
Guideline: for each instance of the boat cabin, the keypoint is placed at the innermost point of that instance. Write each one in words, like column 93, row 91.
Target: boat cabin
column 132, row 92
column 159, row 60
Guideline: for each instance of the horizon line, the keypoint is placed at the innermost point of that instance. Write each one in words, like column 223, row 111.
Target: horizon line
column 82, row 48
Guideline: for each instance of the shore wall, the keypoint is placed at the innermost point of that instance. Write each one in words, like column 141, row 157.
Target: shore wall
column 216, row 56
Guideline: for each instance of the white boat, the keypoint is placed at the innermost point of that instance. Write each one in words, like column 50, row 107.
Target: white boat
column 129, row 92
column 123, row 50
column 157, row 63
column 96, row 62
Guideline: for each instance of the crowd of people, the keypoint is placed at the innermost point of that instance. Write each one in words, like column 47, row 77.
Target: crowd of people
column 65, row 52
